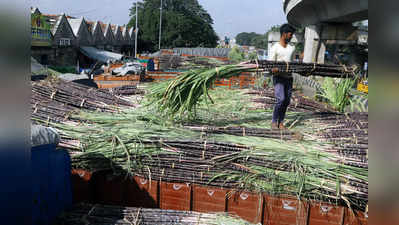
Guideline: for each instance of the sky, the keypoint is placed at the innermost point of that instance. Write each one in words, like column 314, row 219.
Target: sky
column 230, row 16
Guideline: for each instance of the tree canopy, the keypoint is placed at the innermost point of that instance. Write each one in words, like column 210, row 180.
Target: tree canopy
column 252, row 39
column 185, row 23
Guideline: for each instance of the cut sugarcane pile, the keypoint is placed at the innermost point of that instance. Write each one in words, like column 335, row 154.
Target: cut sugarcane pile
column 298, row 103
column 57, row 100
column 127, row 90
column 83, row 214
column 139, row 142
column 188, row 62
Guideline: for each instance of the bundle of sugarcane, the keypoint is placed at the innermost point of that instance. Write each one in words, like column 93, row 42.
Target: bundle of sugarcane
column 307, row 69
column 196, row 148
column 356, row 156
column 49, row 114
column 355, row 116
column 82, row 214
column 298, row 103
column 101, row 95
column 248, row 131
column 127, row 90
column 77, row 95
column 50, row 111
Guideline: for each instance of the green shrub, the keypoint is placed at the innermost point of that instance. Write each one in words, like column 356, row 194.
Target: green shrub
column 236, row 56
column 337, row 92
column 252, row 56
column 63, row 69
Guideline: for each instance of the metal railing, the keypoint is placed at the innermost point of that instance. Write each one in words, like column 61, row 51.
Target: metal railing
column 40, row 34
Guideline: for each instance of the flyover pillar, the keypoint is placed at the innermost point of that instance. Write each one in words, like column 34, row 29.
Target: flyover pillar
column 315, row 47
column 318, row 36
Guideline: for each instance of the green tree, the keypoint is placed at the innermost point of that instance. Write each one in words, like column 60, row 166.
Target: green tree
column 245, row 38
column 252, row 39
column 185, row 23
column 259, row 41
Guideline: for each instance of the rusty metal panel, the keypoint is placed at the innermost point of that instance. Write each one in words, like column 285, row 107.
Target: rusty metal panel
column 355, row 217
column 175, row 196
column 285, row 211
column 141, row 192
column 325, row 214
column 246, row 205
column 81, row 185
column 209, row 199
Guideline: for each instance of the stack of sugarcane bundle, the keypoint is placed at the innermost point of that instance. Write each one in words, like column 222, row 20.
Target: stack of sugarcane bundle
column 298, row 103
column 200, row 150
column 349, row 128
column 82, row 214
column 349, row 133
column 227, row 165
column 127, row 90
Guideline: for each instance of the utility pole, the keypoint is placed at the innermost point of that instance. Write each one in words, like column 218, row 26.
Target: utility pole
column 160, row 26
column 136, row 32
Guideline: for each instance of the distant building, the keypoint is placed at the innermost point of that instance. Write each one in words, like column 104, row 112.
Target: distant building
column 57, row 39
column 41, row 37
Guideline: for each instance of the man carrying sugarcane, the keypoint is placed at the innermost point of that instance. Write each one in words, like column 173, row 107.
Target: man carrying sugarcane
column 282, row 81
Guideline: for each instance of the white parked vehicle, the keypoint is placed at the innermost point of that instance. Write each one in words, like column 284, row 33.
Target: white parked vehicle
column 129, row 68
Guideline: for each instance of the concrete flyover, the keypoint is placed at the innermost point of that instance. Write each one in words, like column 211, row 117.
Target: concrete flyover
column 311, row 12
column 326, row 21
